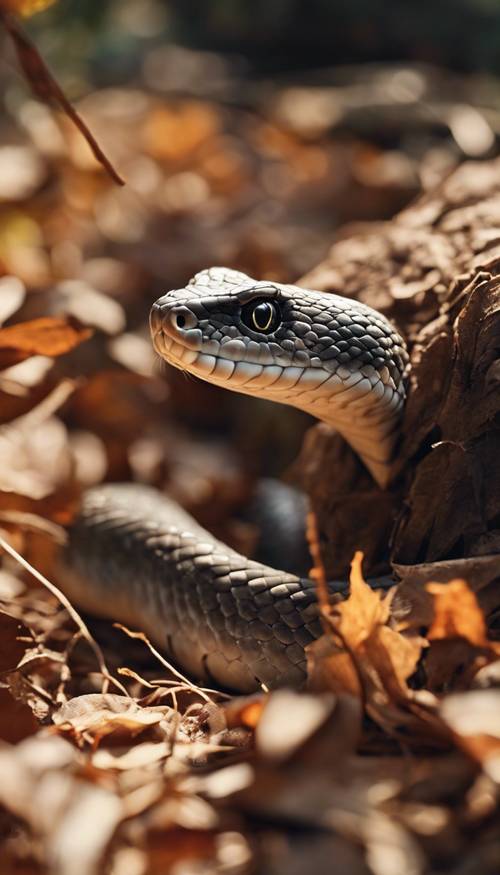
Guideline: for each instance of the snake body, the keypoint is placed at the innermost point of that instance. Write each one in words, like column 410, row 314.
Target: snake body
column 135, row 556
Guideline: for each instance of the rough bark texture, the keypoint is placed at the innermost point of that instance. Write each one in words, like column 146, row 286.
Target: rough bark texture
column 434, row 270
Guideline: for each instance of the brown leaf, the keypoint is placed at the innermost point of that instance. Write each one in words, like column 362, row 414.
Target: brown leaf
column 457, row 613
column 459, row 637
column 363, row 654
column 49, row 335
column 331, row 668
column 102, row 714
column 137, row 756
column 244, row 711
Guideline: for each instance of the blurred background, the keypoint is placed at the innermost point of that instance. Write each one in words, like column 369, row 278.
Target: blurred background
column 248, row 135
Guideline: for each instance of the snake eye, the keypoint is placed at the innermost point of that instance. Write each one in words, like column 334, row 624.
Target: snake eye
column 261, row 315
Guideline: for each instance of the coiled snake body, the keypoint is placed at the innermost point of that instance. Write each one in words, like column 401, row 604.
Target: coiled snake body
column 135, row 556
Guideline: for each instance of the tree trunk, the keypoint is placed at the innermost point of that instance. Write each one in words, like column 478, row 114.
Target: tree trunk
column 434, row 270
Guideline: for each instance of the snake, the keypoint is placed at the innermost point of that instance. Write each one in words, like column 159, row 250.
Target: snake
column 136, row 556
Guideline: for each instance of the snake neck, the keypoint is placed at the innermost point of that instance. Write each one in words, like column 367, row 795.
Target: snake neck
column 375, row 448
column 373, row 438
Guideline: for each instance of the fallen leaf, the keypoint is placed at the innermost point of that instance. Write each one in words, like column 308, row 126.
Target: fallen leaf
column 457, row 613
column 360, row 626
column 102, row 714
column 458, row 635
column 137, row 757
column 362, row 654
column 49, row 336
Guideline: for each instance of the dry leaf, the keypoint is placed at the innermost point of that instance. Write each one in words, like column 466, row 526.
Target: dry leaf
column 359, row 626
column 102, row 714
column 362, row 654
column 457, row 613
column 459, row 637
column 49, row 336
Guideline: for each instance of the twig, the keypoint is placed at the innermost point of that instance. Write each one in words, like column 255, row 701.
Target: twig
column 45, row 86
column 70, row 609
column 142, row 637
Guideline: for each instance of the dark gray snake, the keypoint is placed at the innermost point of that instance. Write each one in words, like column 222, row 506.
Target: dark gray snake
column 137, row 557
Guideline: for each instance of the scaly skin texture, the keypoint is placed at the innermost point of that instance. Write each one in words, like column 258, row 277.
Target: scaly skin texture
column 337, row 359
column 138, row 557
column 135, row 556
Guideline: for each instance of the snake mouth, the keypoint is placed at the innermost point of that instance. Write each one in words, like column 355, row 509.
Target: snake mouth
column 173, row 352
column 312, row 388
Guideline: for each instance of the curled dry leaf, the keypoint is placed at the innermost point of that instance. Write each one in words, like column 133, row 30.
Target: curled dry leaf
column 101, row 714
column 50, row 336
column 245, row 711
column 138, row 756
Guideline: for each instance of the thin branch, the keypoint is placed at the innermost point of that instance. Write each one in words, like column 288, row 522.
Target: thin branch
column 45, row 86
column 142, row 637
column 75, row 616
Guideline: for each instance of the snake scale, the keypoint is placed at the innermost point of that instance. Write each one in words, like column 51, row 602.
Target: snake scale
column 135, row 556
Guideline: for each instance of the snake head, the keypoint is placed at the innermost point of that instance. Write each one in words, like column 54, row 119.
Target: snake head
column 333, row 357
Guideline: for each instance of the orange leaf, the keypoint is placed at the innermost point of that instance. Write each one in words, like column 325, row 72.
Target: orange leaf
column 363, row 654
column 457, row 613
column 50, row 336
column 363, row 644
column 363, row 611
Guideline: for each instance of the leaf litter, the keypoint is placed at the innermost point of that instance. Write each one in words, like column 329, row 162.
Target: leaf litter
column 111, row 760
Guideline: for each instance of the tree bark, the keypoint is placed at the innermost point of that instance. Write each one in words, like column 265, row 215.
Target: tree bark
column 434, row 270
